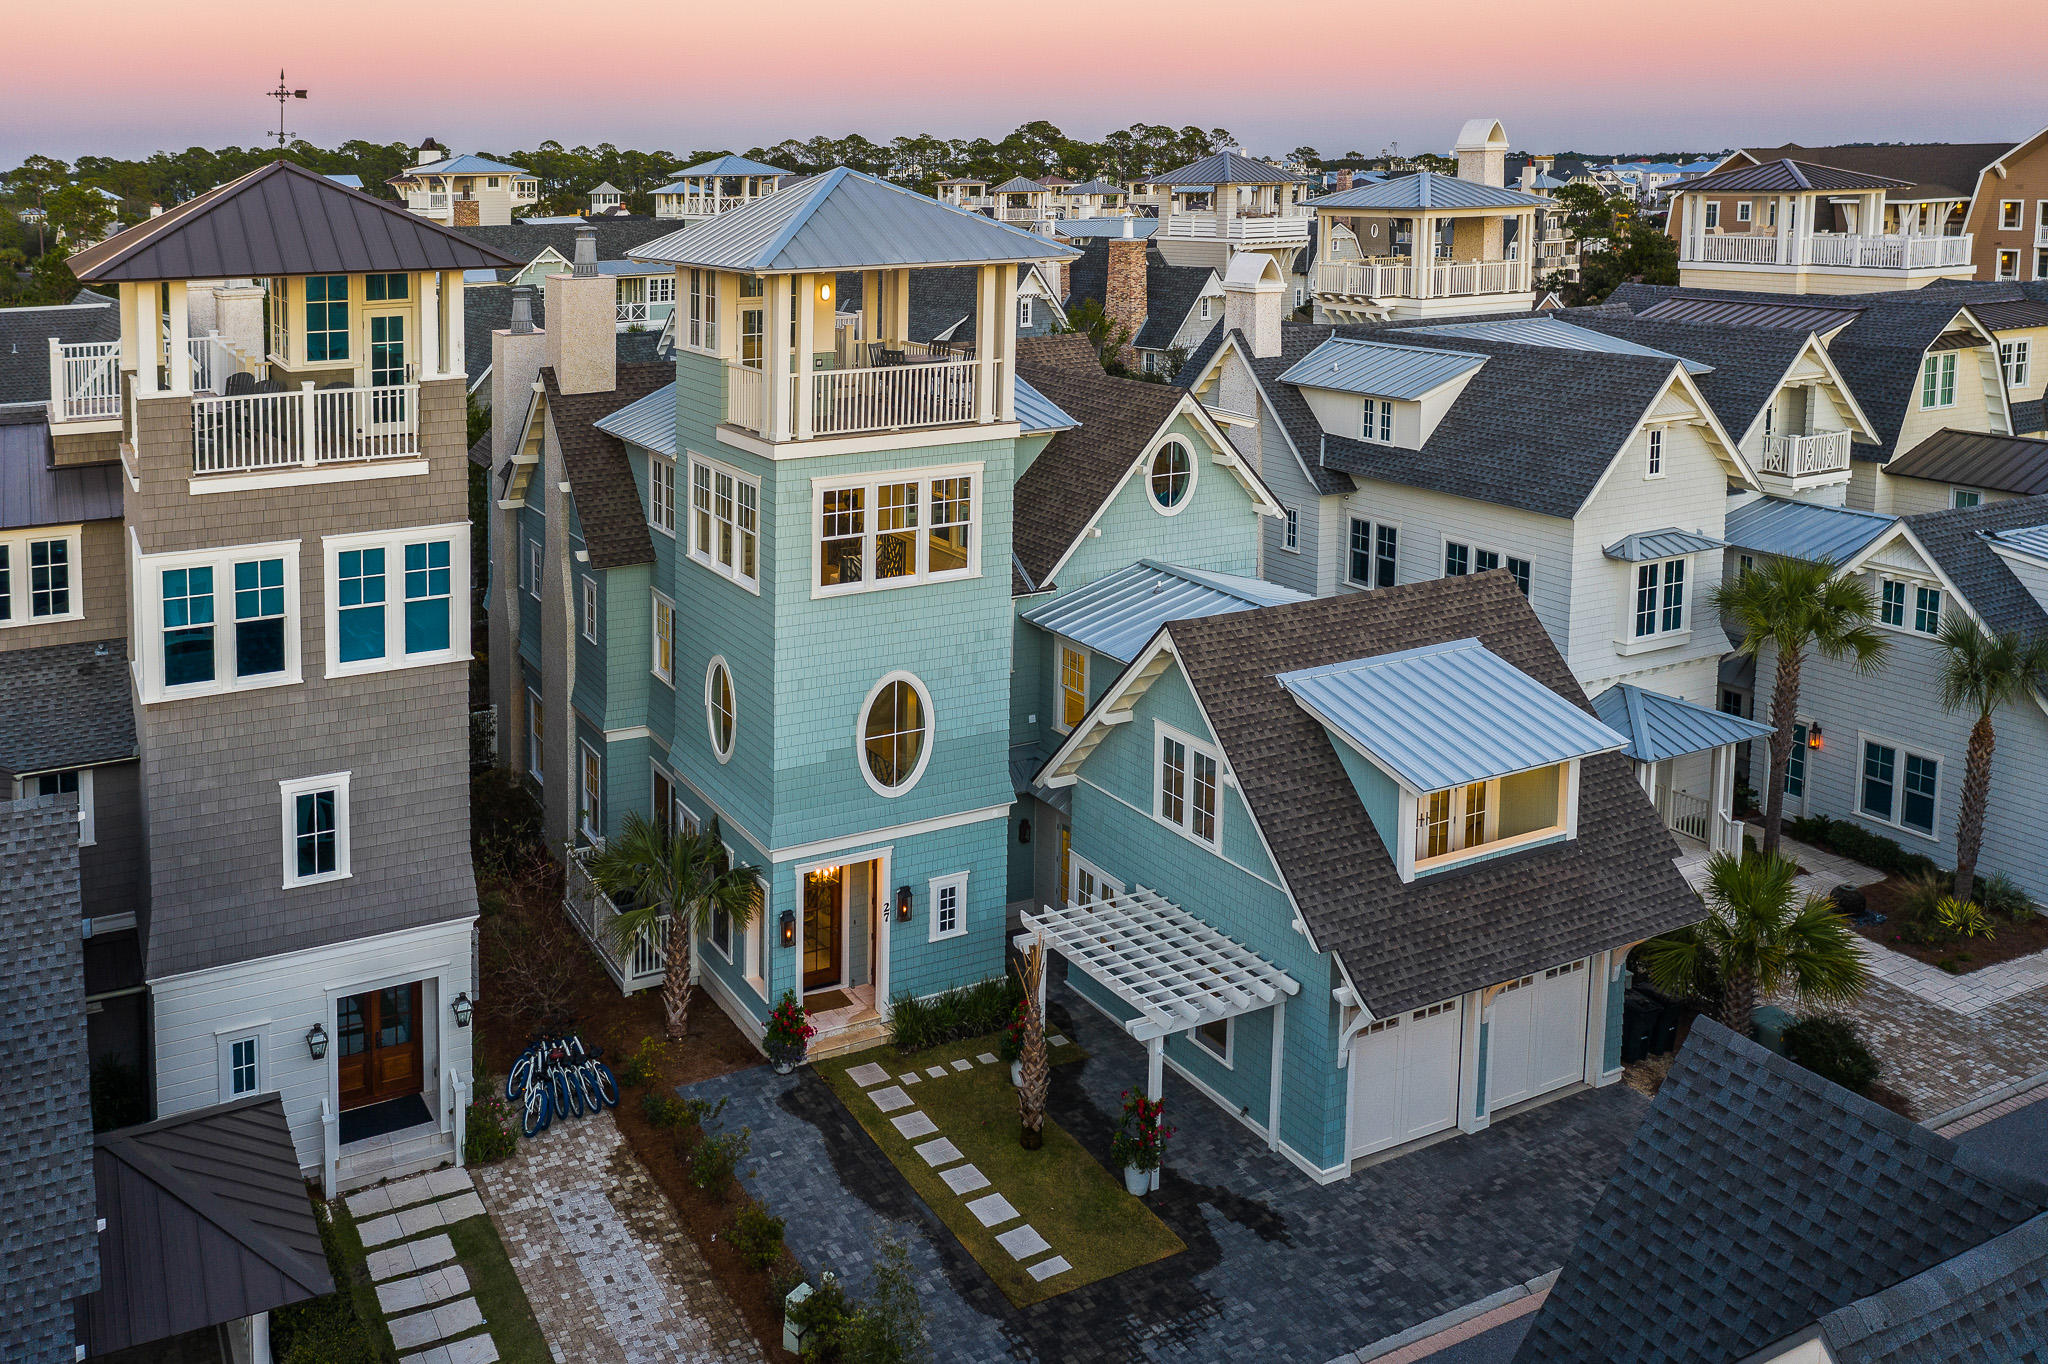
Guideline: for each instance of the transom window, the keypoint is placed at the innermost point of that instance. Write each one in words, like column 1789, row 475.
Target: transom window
column 721, row 713
column 1173, row 475
column 327, row 317
column 664, row 660
column 386, row 288
column 661, row 493
column 1660, row 598
column 1185, row 794
column 895, row 734
column 36, row 578
column 725, row 521
column 315, row 829
column 392, row 601
column 1938, row 380
column 1374, row 553
column 1909, row 606
column 1073, row 685
column 1378, row 422
column 1898, row 787
column 226, row 619
column 2015, row 358
column 896, row 530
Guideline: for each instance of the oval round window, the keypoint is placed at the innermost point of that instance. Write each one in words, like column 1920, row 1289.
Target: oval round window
column 895, row 733
column 1173, row 473
column 719, row 711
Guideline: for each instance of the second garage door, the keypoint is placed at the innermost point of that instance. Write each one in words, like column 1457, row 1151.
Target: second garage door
column 1404, row 1077
column 1536, row 1041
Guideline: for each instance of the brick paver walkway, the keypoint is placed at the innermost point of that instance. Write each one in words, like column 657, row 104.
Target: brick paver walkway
column 611, row 1275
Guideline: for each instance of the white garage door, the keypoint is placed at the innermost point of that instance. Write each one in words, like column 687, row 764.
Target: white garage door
column 1536, row 1041
column 1404, row 1077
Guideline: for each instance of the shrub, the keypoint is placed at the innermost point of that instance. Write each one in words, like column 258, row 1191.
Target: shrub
column 823, row 1317
column 718, row 1158
column 662, row 1110
column 1856, row 842
column 1918, row 901
column 756, row 1236
column 2002, row 896
column 1962, row 920
column 487, row 1131
column 1830, row 1047
column 504, row 821
column 971, row 1011
column 888, row 1328
column 324, row 1330
column 644, row 1062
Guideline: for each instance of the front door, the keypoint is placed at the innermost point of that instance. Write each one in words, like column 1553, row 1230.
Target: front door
column 388, row 368
column 824, row 926
column 379, row 1045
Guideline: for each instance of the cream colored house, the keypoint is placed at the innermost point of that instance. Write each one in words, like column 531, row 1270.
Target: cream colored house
column 1211, row 209
column 466, row 191
column 711, row 187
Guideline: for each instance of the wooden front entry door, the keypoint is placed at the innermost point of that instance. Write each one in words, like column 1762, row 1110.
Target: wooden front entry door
column 824, row 926
column 379, row 1045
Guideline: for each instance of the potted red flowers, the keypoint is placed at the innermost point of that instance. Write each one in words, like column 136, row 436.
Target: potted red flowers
column 788, row 1034
column 1140, row 1141
column 1013, row 1045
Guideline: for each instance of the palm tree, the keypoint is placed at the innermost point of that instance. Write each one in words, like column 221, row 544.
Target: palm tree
column 1982, row 671
column 1794, row 605
column 1760, row 937
column 685, row 877
column 1037, row 1073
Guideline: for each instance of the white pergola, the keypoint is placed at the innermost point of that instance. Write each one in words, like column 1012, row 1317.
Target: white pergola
column 1175, row 970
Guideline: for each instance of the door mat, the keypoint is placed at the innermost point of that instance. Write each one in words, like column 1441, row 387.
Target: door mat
column 825, row 1001
column 376, row 1120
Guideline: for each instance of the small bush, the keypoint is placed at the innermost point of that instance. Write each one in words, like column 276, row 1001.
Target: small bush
column 756, row 1235
column 1830, row 1047
column 822, row 1316
column 718, row 1158
column 1859, row 844
column 1962, row 920
column 2002, row 896
column 662, row 1110
column 488, row 1130
column 1919, row 900
column 504, row 821
column 324, row 1330
column 644, row 1062
column 972, row 1011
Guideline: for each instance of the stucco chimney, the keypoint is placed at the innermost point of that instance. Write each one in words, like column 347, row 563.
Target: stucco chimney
column 582, row 330
column 1254, row 297
column 1123, row 291
column 517, row 354
column 1483, row 152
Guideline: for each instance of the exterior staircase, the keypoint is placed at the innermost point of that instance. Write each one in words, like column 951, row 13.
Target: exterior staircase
column 869, row 1032
column 408, row 1151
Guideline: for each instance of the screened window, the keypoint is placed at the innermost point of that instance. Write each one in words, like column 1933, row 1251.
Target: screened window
column 326, row 317
column 1173, row 474
column 1938, row 380
column 1660, row 598
column 869, row 534
column 725, row 521
column 895, row 734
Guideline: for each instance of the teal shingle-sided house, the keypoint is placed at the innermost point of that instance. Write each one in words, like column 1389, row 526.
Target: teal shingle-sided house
column 1361, row 869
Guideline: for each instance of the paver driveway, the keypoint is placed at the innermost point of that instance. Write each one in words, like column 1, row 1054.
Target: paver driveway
column 1277, row 1267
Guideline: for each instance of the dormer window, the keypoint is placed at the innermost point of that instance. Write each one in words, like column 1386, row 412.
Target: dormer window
column 1378, row 423
column 1479, row 817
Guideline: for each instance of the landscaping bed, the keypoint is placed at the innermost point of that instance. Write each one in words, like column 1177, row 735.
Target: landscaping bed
column 2010, row 939
column 1080, row 1208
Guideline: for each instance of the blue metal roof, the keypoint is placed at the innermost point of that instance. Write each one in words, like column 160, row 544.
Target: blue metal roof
column 1659, row 726
column 1556, row 335
column 1096, row 186
column 648, row 422
column 465, row 165
column 1038, row 414
column 1018, row 184
column 1379, row 368
column 1668, row 543
column 1448, row 714
column 1116, row 615
column 721, row 165
column 1105, row 227
column 844, row 220
column 2031, row 541
column 1428, row 190
column 1803, row 530
column 352, row 181
column 1227, row 168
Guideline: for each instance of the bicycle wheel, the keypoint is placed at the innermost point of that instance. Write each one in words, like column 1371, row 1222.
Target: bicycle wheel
column 535, row 1112
column 519, row 1079
column 586, row 1088
column 568, row 1102
column 607, row 1087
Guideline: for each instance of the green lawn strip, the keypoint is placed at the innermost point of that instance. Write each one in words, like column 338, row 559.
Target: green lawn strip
column 1080, row 1208
column 499, row 1297
column 361, row 1290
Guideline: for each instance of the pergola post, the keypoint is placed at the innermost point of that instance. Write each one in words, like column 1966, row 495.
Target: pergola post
column 1155, row 1066
column 1273, row 1084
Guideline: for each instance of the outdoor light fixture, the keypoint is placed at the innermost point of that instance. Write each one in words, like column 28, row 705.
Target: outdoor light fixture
column 903, row 904
column 824, row 293
column 462, row 1008
column 316, row 1041
column 789, row 928
column 1813, row 736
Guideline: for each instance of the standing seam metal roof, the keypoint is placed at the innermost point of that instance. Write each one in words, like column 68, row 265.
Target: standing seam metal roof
column 723, row 165
column 1802, row 530
column 1428, row 190
column 1558, row 335
column 1227, row 168
column 1659, row 726
column 1379, row 368
column 1644, row 545
column 1038, row 414
column 648, row 422
column 1116, row 615
column 1788, row 176
column 1447, row 714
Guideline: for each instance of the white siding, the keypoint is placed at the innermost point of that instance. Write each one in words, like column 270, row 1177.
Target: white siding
column 1979, row 406
column 1911, row 496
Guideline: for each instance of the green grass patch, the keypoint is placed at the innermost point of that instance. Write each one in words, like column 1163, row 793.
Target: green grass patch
column 1080, row 1208
column 498, row 1295
column 361, row 1291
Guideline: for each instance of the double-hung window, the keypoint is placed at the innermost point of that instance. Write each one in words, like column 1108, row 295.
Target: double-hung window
column 661, row 493
column 1520, row 569
column 1653, row 465
column 664, row 662
column 702, row 330
column 1073, row 685
column 315, row 818
column 1938, row 380
column 536, row 746
column 326, row 317
column 241, row 1068
column 1378, row 421
column 1186, row 793
column 1659, row 598
column 1373, row 553
column 1290, row 536
column 590, row 795
column 725, row 521
column 38, row 577
column 895, row 529
column 1457, row 559
column 1024, row 312
column 1909, row 606
column 1899, row 788
column 590, row 607
column 225, row 619
column 948, row 906
column 2015, row 359
column 533, row 568
column 392, row 600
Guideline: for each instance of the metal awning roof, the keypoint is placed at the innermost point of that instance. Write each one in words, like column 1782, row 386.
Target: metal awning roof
column 1426, row 190
column 1448, row 714
column 1555, row 335
column 1803, row 530
column 1038, row 414
column 1379, row 368
column 1117, row 614
column 1659, row 726
column 648, row 422
column 1174, row 969
column 1668, row 543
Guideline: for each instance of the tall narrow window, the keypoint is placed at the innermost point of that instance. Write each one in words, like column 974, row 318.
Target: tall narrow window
column 1359, row 569
column 427, row 596
column 1927, row 610
column 589, row 605
column 1520, row 569
column 661, row 493
column 1291, row 536
column 1880, row 781
column 1938, row 380
column 1202, row 815
column 839, row 547
column 1917, row 795
column 1173, row 780
column 590, row 796
column 1795, row 766
column 664, row 662
column 1073, row 685
column 1378, row 423
column 720, row 711
column 952, row 522
column 1386, row 555
column 895, row 530
column 1660, row 598
column 259, row 617
column 1655, row 467
column 6, row 582
column 361, row 613
column 1674, row 595
column 326, row 317
column 536, row 746
column 316, row 829
column 188, row 626
column 1189, row 785
column 241, row 1067
column 1436, row 824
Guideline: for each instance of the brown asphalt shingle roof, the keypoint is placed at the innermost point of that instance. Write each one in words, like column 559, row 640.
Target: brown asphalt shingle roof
column 600, row 479
column 1406, row 946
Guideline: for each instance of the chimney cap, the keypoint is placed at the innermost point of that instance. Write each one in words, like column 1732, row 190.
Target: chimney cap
column 522, row 310
column 586, row 252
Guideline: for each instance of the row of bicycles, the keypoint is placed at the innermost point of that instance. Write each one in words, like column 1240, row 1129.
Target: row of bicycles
column 555, row 1077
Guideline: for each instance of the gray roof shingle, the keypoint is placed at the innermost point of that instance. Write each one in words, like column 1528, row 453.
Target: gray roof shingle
column 600, row 478
column 1989, row 1305
column 1956, row 541
column 522, row 242
column 1756, row 1199
column 67, row 706
column 25, row 335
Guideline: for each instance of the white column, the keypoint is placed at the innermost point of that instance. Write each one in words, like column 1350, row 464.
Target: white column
column 988, row 296
column 148, row 343
column 1273, row 1083
column 430, row 324
column 458, row 361
column 806, row 298
column 181, row 339
column 1422, row 250
column 1155, row 1065
column 1006, row 376
column 1727, row 835
column 776, row 343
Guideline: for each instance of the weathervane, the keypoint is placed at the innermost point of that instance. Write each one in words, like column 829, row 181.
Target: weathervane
column 284, row 94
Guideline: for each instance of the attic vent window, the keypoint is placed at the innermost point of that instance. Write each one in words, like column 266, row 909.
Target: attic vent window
column 1173, row 476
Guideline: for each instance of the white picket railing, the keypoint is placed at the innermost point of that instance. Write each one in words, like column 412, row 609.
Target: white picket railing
column 746, row 397
column 305, row 428
column 893, row 397
column 85, row 380
column 1846, row 250
column 1400, row 278
column 1824, row 452
column 1257, row 231
column 1688, row 814
column 1740, row 248
column 632, row 968
column 633, row 312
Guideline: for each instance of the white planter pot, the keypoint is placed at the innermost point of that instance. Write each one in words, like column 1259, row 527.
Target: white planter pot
column 1017, row 1074
column 1138, row 1182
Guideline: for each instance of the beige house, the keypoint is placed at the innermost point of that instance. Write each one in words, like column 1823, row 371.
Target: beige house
column 711, row 187
column 465, row 191
column 1213, row 208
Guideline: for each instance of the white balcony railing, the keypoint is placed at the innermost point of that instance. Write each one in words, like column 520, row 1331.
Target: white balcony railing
column 1275, row 230
column 1824, row 452
column 85, row 380
column 1841, row 250
column 930, row 392
column 1740, row 248
column 305, row 428
column 2041, row 234
column 1400, row 278
column 1688, row 814
column 633, row 967
column 633, row 313
column 746, row 397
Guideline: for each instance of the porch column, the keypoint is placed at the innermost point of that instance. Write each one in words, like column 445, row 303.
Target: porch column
column 806, row 300
column 899, row 304
column 147, row 328
column 776, row 343
column 988, row 297
column 1725, row 834
column 457, row 361
column 1155, row 1064
column 1422, row 251
column 1273, row 1085
column 1646, row 777
column 870, row 305
column 430, row 324
column 180, row 356
column 1005, row 378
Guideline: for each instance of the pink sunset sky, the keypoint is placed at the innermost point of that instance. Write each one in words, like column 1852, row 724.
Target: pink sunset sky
column 125, row 77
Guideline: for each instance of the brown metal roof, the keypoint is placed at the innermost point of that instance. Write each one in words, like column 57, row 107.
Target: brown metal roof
column 1733, row 313
column 280, row 219
column 2003, row 464
column 1786, row 176
column 1929, row 169
column 2017, row 315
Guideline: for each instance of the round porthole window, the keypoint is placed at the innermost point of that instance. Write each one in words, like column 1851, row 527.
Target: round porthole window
column 720, row 714
column 895, row 734
column 1173, row 476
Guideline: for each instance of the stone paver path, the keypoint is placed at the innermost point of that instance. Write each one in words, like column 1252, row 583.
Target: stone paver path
column 426, row 1300
column 611, row 1275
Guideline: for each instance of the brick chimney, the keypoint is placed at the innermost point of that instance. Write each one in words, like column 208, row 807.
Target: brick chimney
column 583, row 331
column 1123, row 291
column 1254, row 297
column 1343, row 180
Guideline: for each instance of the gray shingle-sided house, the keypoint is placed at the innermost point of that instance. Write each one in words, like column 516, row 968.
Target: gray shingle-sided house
column 25, row 337
column 253, row 569
column 1766, row 1214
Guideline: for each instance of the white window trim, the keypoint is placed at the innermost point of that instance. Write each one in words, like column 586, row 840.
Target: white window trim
column 661, row 289
column 1745, row 210
column 1076, row 864
column 734, row 936
column 1940, row 361
column 536, row 755
column 1207, row 305
column 1473, row 549
column 1290, row 531
column 1901, row 753
column 1956, row 491
column 869, row 482
column 1658, row 638
column 1653, row 453
column 1024, row 312
column 1227, row 1058
column 586, row 804
column 1061, row 646
column 533, row 568
column 1909, row 608
column 225, row 1079
column 2015, row 361
column 2006, row 253
column 706, row 555
column 657, row 463
column 860, row 741
column 1369, row 422
column 1372, row 524
column 146, row 583
column 956, row 881
column 1713, row 213
column 2019, row 215
column 711, row 670
column 393, row 543
column 87, row 830
column 1187, row 499
column 288, row 792
column 1413, row 863
column 1161, row 732
column 17, row 545
column 589, row 605
column 656, row 606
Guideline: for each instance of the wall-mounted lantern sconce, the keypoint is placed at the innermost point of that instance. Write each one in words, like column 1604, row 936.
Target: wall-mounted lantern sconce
column 1813, row 737
column 824, row 293
column 903, row 904
column 1023, row 831
column 316, row 1041
column 463, row 1008
column 789, row 928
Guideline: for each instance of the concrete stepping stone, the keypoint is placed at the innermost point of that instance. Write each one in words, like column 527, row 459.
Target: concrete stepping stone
column 439, row 1323
column 468, row 1350
column 963, row 1065
column 964, row 1179
column 986, row 1058
column 421, row 1217
column 401, row 1193
column 402, row 1261
column 1023, row 1242
column 1057, row 1040
column 915, row 1124
column 1045, row 1269
column 992, row 1211
column 422, row 1290
column 890, row 1099
column 869, row 1074
column 940, row 1152
column 936, row 1072
column 912, row 1078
